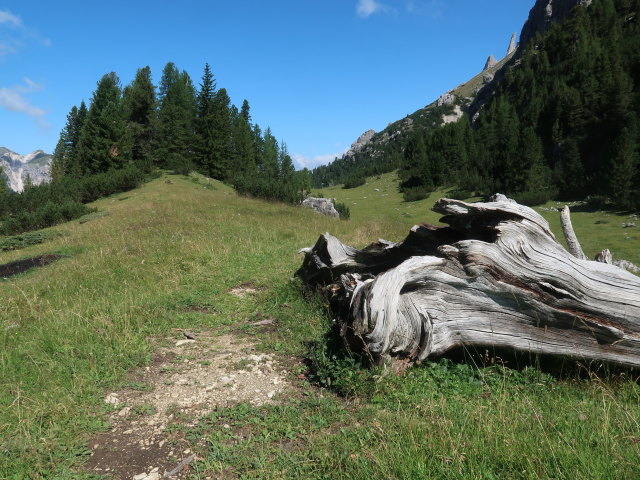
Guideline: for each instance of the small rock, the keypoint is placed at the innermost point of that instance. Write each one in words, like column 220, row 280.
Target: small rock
column 140, row 476
column 186, row 341
column 271, row 394
column 153, row 476
column 112, row 399
column 124, row 412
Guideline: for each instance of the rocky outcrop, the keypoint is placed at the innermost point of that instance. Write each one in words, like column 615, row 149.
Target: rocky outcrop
column 512, row 45
column 321, row 205
column 446, row 99
column 362, row 141
column 544, row 13
column 491, row 62
column 16, row 168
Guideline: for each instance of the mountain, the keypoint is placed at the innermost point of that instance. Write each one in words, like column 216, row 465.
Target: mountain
column 16, row 168
column 382, row 152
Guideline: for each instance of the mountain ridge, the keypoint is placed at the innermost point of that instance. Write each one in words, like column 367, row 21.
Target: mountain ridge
column 381, row 152
column 16, row 168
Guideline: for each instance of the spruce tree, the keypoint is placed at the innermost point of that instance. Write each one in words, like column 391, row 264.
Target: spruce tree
column 222, row 155
column 140, row 107
column 624, row 169
column 65, row 155
column 104, row 141
column 205, row 126
column 243, row 143
column 176, row 120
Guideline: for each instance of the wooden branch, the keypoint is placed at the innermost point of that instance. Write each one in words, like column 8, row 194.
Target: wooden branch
column 495, row 277
column 570, row 236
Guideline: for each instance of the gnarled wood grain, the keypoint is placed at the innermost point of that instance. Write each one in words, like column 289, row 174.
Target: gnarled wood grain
column 495, row 277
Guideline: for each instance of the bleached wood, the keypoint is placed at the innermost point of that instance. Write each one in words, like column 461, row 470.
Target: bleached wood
column 495, row 277
column 570, row 235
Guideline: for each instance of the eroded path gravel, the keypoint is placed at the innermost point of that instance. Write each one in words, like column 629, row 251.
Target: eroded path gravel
column 187, row 379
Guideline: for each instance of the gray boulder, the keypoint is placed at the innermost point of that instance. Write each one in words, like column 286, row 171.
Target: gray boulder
column 321, row 205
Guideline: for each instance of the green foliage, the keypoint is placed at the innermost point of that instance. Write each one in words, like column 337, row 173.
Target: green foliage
column 354, row 181
column 105, row 141
column 343, row 210
column 563, row 120
column 62, row 200
column 45, row 215
column 140, row 109
column 24, row 240
column 176, row 120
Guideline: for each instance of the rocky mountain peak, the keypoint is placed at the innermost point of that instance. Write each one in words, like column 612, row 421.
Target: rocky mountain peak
column 544, row 13
column 491, row 62
column 361, row 142
column 16, row 168
column 512, row 45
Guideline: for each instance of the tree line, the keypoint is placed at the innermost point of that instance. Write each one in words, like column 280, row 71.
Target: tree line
column 177, row 127
column 563, row 122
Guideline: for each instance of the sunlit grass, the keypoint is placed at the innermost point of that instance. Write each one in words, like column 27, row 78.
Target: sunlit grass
column 71, row 331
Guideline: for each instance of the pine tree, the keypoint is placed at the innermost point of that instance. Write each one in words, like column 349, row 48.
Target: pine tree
column 222, row 122
column 176, row 120
column 243, row 143
column 624, row 169
column 140, row 108
column 104, row 140
column 205, row 125
column 65, row 156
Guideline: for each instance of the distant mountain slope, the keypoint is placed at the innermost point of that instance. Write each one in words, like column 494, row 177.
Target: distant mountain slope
column 382, row 152
column 16, row 168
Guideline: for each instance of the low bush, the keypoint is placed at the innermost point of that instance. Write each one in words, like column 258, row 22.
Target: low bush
column 343, row 210
column 533, row 198
column 62, row 200
column 414, row 194
column 354, row 182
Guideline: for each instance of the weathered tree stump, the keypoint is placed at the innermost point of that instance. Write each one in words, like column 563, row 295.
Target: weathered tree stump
column 495, row 277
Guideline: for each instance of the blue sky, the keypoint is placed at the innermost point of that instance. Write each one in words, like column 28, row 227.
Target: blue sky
column 318, row 72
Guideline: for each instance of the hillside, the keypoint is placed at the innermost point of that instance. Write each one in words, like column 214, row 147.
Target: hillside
column 106, row 323
column 381, row 152
column 558, row 120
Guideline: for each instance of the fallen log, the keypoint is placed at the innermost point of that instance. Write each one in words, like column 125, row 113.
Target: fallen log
column 494, row 277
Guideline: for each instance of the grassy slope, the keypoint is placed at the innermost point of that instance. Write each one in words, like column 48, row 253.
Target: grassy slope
column 595, row 230
column 71, row 330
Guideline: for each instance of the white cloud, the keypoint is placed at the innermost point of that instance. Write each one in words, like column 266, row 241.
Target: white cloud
column 13, row 99
column 431, row 8
column 14, row 35
column 9, row 18
column 367, row 8
column 302, row 161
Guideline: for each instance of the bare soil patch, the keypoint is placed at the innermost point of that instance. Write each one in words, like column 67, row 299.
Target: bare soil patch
column 187, row 379
column 20, row 266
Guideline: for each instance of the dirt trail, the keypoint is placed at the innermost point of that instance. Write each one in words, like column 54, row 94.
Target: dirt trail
column 186, row 380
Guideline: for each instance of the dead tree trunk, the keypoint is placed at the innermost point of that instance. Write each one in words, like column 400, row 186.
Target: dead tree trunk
column 495, row 277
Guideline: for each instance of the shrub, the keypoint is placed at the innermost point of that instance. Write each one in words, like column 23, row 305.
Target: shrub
column 415, row 193
column 353, row 182
column 533, row 198
column 343, row 210
column 46, row 205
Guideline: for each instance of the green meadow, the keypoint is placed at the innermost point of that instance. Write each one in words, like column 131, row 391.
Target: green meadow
column 71, row 331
